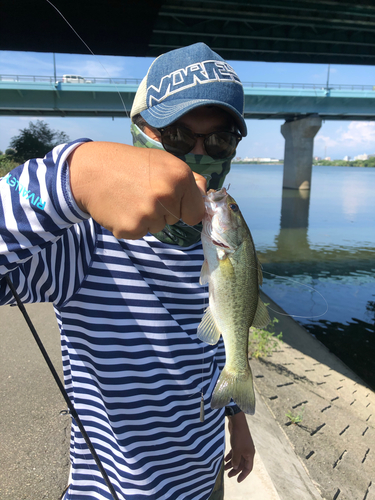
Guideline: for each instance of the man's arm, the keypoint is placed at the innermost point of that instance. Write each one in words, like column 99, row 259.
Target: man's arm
column 131, row 191
column 128, row 190
column 240, row 459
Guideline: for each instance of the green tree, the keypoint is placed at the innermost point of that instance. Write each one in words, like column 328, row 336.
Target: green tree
column 36, row 141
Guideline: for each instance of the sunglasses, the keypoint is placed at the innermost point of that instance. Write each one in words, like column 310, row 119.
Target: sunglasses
column 179, row 141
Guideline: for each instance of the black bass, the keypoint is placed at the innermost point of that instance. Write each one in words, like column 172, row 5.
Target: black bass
column 233, row 273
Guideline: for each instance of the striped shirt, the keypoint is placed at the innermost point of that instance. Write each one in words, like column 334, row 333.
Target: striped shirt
column 128, row 313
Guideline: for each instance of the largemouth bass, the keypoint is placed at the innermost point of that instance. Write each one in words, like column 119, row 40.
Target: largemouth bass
column 233, row 273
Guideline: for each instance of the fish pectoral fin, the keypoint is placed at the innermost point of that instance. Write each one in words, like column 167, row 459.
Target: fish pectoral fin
column 207, row 329
column 204, row 277
column 261, row 318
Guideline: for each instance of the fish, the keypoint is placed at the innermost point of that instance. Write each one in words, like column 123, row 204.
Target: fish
column 233, row 274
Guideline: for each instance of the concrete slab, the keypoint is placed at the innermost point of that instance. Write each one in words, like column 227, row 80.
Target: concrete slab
column 257, row 486
column 288, row 475
column 335, row 436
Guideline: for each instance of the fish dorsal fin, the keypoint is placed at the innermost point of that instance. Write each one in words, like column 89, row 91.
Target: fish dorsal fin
column 261, row 318
column 207, row 329
column 204, row 277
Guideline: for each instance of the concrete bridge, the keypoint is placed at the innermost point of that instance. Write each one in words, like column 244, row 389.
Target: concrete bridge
column 49, row 96
column 302, row 106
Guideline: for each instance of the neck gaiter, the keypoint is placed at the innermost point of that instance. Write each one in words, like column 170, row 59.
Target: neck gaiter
column 214, row 171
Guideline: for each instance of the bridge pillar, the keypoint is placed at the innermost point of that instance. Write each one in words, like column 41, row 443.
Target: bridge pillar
column 299, row 143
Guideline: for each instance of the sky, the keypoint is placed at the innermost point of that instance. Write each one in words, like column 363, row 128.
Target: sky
column 335, row 139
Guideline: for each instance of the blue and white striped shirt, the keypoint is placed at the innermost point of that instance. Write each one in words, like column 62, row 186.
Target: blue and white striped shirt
column 128, row 313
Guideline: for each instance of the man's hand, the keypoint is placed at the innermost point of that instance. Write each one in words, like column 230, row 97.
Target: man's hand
column 240, row 459
column 131, row 191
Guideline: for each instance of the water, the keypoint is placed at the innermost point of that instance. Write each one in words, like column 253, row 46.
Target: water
column 321, row 246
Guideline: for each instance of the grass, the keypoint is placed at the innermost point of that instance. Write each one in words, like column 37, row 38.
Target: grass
column 295, row 418
column 263, row 341
column 6, row 165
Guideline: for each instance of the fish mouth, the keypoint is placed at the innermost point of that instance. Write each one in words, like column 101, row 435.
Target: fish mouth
column 221, row 245
column 217, row 196
column 213, row 200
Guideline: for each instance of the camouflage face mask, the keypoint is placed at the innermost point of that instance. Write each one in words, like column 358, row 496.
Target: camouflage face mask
column 214, row 171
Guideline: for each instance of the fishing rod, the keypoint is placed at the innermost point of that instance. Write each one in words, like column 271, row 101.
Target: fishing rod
column 72, row 410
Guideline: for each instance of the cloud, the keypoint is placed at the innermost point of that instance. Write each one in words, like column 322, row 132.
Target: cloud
column 326, row 141
column 92, row 67
column 359, row 134
column 351, row 137
column 25, row 63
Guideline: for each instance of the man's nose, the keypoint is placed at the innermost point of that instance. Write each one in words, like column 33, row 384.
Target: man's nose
column 199, row 147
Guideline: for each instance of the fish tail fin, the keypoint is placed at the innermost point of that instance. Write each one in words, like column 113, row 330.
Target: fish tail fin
column 238, row 387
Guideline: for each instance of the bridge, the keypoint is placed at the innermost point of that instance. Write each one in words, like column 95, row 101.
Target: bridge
column 303, row 107
column 47, row 96
column 309, row 31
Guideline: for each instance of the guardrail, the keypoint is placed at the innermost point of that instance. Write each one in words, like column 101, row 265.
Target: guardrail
column 137, row 81
column 59, row 79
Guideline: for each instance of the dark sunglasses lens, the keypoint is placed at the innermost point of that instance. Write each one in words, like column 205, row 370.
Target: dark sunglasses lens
column 221, row 145
column 177, row 141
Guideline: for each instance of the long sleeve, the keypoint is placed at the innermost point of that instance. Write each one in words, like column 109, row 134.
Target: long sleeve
column 45, row 239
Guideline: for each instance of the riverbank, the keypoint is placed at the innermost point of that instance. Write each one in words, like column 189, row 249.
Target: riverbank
column 340, row 163
column 325, row 411
column 323, row 163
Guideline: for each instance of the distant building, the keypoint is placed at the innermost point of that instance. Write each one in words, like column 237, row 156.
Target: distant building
column 260, row 160
column 362, row 157
column 346, row 158
column 317, row 158
column 328, row 158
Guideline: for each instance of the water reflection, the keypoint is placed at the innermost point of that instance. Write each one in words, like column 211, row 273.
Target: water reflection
column 323, row 241
column 292, row 241
column 295, row 209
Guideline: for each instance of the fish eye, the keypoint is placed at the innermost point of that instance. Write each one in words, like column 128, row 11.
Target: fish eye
column 234, row 207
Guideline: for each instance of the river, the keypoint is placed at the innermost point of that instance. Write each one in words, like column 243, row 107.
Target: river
column 317, row 250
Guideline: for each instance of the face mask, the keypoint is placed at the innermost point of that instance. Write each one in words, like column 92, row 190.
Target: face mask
column 214, row 171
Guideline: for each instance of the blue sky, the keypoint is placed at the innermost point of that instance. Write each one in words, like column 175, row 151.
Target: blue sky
column 335, row 138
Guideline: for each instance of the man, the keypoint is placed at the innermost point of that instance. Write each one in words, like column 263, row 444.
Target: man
column 96, row 229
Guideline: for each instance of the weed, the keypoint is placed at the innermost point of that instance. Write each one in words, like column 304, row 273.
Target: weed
column 263, row 341
column 295, row 418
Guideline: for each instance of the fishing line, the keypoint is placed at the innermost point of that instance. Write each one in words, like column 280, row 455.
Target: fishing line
column 42, row 349
column 117, row 89
column 277, row 276
column 96, row 458
column 173, row 215
column 91, row 52
column 300, row 284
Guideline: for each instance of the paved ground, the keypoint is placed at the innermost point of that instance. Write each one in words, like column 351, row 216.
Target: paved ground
column 34, row 438
column 335, row 439
column 329, row 454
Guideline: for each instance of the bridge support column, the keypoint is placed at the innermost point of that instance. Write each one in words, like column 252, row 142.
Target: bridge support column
column 299, row 143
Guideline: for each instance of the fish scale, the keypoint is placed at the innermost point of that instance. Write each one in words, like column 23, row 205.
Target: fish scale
column 233, row 273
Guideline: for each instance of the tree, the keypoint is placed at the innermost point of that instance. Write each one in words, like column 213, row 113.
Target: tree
column 36, row 141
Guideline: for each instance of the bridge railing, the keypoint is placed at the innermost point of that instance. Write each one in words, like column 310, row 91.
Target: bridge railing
column 137, row 81
column 59, row 79
column 309, row 86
